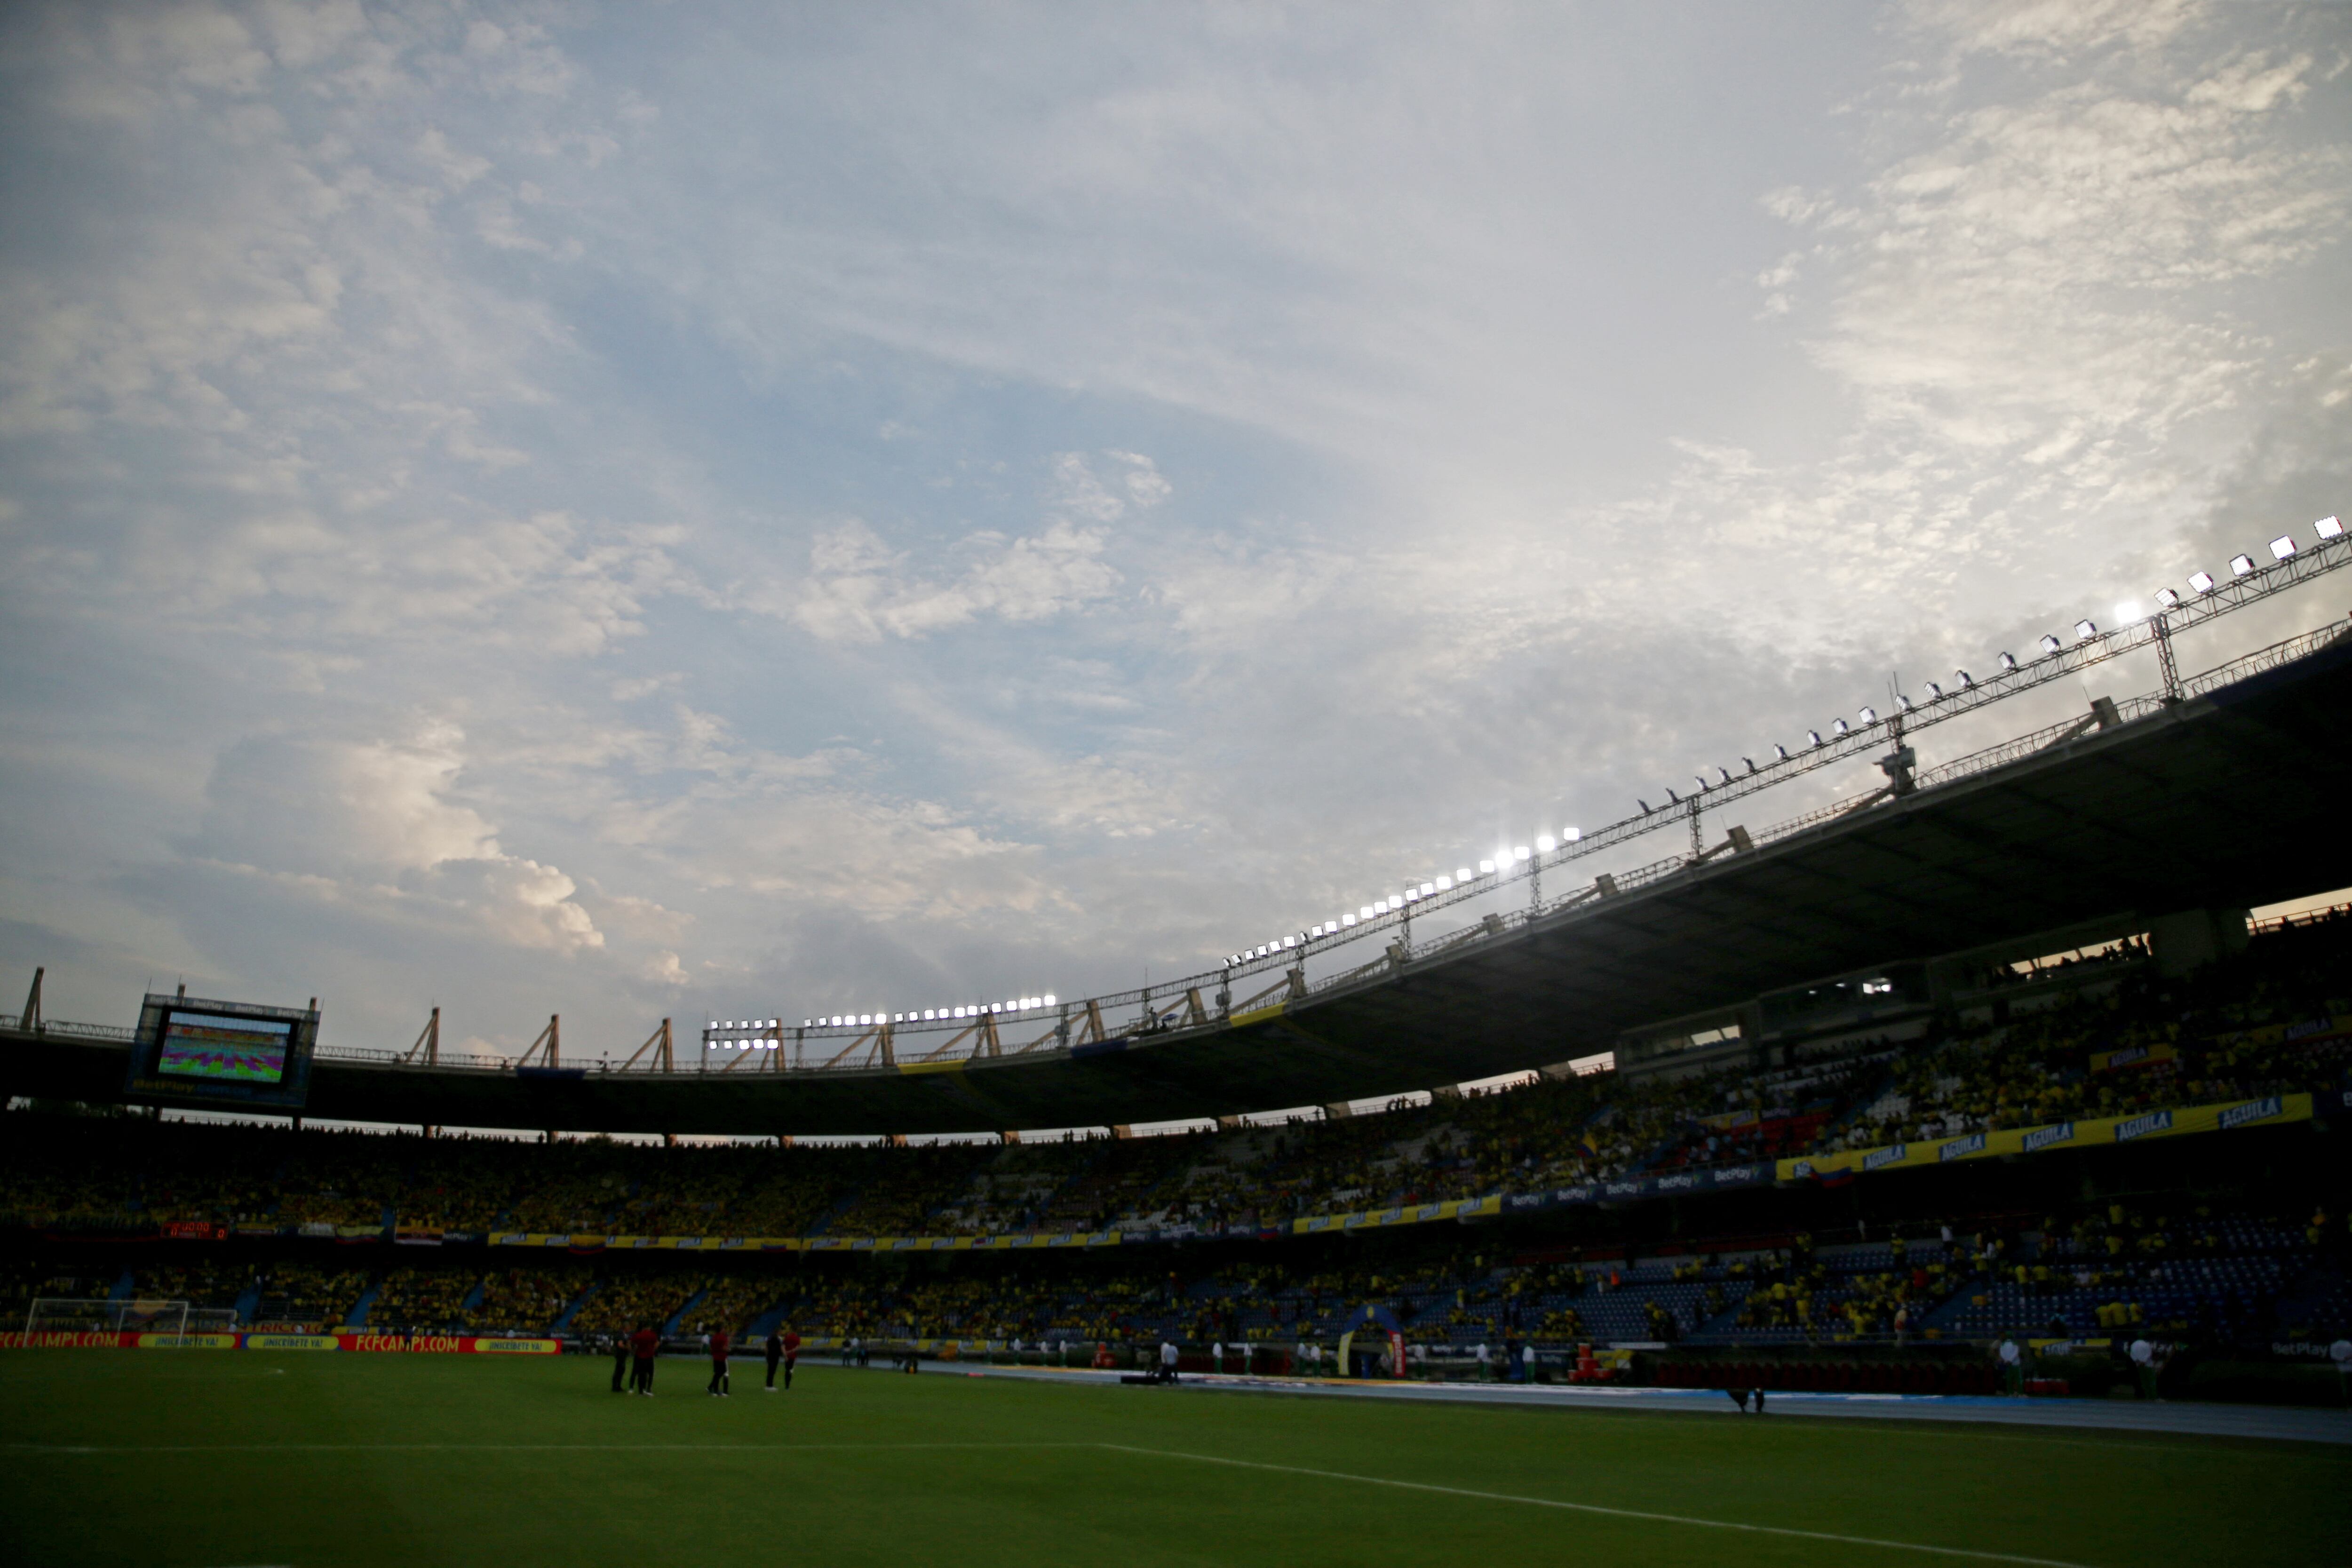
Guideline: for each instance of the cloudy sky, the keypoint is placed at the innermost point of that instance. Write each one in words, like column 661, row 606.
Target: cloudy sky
column 704, row 509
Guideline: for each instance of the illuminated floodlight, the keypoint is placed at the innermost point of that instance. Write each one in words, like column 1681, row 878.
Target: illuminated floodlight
column 1868, row 715
column 1545, row 844
column 1347, row 919
column 1366, row 912
column 1934, row 692
column 1780, row 752
column 1445, row 884
column 1815, row 736
column 1462, row 874
column 1572, row 834
column 2240, row 565
column 1902, row 702
column 2327, row 528
column 2166, row 599
column 1838, row 727
column 2050, row 642
column 1520, row 853
column 1049, row 999
column 1413, row 895
column 2202, row 581
column 808, row 1023
column 1486, row 868
column 1427, row 888
column 2281, row 547
column 2127, row 612
column 2085, row 629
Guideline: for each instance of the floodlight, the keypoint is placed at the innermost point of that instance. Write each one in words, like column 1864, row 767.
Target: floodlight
column 1838, row 727
column 1643, row 803
column 1722, row 773
column 2050, row 642
column 1520, row 853
column 1671, row 798
column 1814, row 736
column 2327, row 528
column 1445, row 883
column 1902, row 702
column 1462, row 874
column 1780, row 752
column 1366, row 912
column 2127, row 612
column 1347, row 920
column 808, row 1023
column 2239, row 565
column 1486, row 868
column 1572, row 834
column 2084, row 630
column 1413, row 895
column 1545, row 844
column 1427, row 888
column 2166, row 599
column 1049, row 998
column 2007, row 661
column 1868, row 716
column 2202, row 581
column 1700, row 780
column 1934, row 692
column 1750, row 763
column 2281, row 547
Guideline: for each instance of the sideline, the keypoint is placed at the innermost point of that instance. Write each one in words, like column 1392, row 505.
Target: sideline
column 2193, row 1419
column 1599, row 1508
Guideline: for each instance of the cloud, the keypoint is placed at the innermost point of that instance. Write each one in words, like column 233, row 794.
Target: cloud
column 859, row 589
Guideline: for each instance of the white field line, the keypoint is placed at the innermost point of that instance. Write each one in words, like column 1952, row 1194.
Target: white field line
column 1599, row 1508
column 42, row 1448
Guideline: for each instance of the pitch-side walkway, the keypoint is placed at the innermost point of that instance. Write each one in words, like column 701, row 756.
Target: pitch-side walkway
column 2202, row 1420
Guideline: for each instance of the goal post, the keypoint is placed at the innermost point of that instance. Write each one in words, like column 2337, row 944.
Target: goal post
column 87, row 1315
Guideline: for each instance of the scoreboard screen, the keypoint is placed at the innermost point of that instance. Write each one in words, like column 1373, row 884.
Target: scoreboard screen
column 225, row 1055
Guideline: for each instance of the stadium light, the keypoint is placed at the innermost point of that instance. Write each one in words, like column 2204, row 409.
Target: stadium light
column 1427, row 888
column 1780, row 752
column 2126, row 612
column 2050, row 642
column 1545, row 844
column 1815, row 736
column 2007, row 661
column 2166, row 599
column 1902, row 702
column 1366, row 912
column 2202, row 581
column 1049, row 999
column 2240, row 565
column 1934, row 692
column 1520, row 853
column 1572, row 834
column 2281, row 547
column 1868, row 716
column 1445, row 884
column 1838, row 728
column 1462, row 874
column 1643, row 803
column 2327, row 528
column 1486, row 868
column 2085, row 629
column 1347, row 920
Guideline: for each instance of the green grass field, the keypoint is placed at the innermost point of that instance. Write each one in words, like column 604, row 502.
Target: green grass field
column 208, row 1459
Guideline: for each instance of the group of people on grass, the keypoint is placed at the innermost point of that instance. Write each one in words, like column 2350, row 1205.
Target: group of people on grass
column 634, row 1353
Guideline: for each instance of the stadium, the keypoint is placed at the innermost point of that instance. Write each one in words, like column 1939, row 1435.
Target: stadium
column 1220, row 784
column 2008, row 1119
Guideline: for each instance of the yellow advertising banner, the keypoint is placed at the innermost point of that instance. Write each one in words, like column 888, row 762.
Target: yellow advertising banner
column 2270, row 1111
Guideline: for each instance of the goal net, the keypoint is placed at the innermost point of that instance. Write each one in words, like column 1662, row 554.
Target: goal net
column 77, row 1315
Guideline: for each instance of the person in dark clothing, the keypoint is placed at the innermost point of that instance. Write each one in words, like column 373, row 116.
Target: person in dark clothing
column 775, row 1349
column 620, row 1364
column 642, row 1345
column 720, row 1344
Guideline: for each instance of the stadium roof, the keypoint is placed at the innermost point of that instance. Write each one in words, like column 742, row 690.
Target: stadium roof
column 2225, row 801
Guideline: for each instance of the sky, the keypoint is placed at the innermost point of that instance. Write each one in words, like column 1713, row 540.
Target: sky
column 700, row 510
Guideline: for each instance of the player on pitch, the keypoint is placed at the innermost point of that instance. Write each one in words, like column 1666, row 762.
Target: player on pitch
column 719, row 1348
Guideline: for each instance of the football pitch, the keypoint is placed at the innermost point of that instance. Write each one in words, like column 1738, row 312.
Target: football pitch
column 210, row 1459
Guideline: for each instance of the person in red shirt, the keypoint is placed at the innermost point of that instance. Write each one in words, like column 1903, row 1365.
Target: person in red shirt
column 718, row 1346
column 642, row 1346
column 792, row 1357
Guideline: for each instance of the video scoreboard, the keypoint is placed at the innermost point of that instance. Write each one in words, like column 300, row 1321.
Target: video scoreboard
column 227, row 1055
